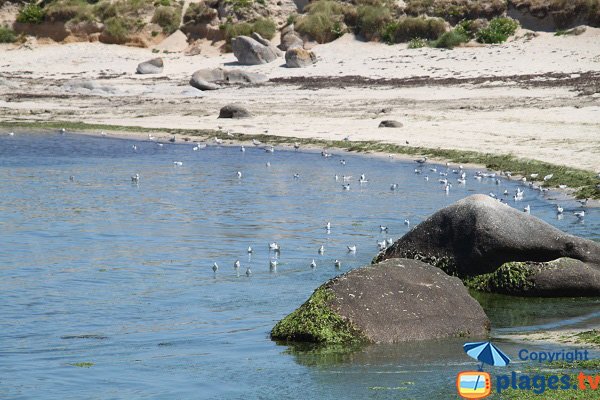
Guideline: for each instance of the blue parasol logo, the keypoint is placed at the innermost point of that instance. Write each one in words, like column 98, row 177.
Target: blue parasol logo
column 486, row 353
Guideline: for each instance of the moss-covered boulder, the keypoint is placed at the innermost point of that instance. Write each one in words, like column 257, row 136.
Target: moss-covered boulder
column 397, row 300
column 564, row 277
column 477, row 234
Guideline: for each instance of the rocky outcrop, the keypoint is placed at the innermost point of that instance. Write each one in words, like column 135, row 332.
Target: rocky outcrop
column 154, row 66
column 564, row 277
column 216, row 78
column 298, row 57
column 390, row 123
column 249, row 51
column 234, row 111
column 395, row 301
column 478, row 234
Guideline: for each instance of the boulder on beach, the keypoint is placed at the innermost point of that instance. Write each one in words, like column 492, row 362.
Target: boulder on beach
column 298, row 57
column 234, row 111
column 478, row 234
column 154, row 66
column 397, row 300
column 390, row 123
column 216, row 78
column 290, row 38
column 176, row 42
column 249, row 51
column 564, row 277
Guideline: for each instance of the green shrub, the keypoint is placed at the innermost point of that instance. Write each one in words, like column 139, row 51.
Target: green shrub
column 66, row 10
column 239, row 4
column 408, row 28
column 498, row 30
column 265, row 27
column 456, row 10
column 417, row 43
column 119, row 28
column 199, row 13
column 168, row 18
column 372, row 19
column 31, row 14
column 326, row 20
column 450, row 40
column 7, row 35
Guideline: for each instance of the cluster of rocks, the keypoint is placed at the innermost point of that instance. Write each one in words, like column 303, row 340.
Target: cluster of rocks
column 409, row 293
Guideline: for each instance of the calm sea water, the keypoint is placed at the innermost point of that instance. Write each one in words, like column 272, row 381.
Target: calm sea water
column 102, row 271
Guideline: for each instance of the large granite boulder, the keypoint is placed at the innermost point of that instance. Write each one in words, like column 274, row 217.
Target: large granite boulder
column 478, row 234
column 154, row 66
column 564, row 277
column 395, row 301
column 234, row 111
column 249, row 51
column 298, row 57
column 216, row 78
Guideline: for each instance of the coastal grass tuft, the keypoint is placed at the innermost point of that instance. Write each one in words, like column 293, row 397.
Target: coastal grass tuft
column 265, row 27
column 408, row 28
column 450, row 40
column 168, row 18
column 316, row 322
column 7, row 35
column 583, row 182
column 326, row 20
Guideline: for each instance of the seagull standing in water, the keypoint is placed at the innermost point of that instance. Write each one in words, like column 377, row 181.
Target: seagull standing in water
column 313, row 264
column 273, row 265
column 559, row 209
column 579, row 214
column 239, row 174
column 215, row 268
column 248, row 271
column 63, row 131
column 135, row 178
column 11, row 134
column 172, row 140
column 296, row 146
column 394, row 186
column 421, row 160
column 321, row 249
column 328, row 226
column 406, row 222
column 236, row 265
column 250, row 250
column 256, row 142
column 352, row 249
column 337, row 264
column 527, row 209
column 242, row 149
column 383, row 228
column 274, row 246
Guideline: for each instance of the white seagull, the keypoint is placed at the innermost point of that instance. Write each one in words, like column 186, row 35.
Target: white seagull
column 321, row 249
column 579, row 214
column 242, row 149
column 236, row 264
column 250, row 250
column 352, row 248
column 239, row 174
column 559, row 209
column 313, row 264
column 337, row 264
column 215, row 267
column 135, row 178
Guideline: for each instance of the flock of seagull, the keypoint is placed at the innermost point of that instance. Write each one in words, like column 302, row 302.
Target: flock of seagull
column 442, row 174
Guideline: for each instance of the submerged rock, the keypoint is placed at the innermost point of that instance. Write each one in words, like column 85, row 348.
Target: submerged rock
column 564, row 277
column 395, row 301
column 478, row 234
column 154, row 66
column 234, row 111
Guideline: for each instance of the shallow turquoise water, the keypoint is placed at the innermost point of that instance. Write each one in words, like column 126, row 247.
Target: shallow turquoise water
column 104, row 271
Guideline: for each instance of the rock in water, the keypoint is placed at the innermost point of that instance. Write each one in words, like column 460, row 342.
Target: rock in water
column 298, row 57
column 234, row 111
column 390, row 123
column 248, row 51
column 154, row 66
column 478, row 234
column 395, row 301
column 564, row 277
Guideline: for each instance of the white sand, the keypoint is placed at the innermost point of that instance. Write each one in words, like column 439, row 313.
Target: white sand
column 553, row 124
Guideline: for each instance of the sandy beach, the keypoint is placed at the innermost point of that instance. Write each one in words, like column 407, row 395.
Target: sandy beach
column 533, row 97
